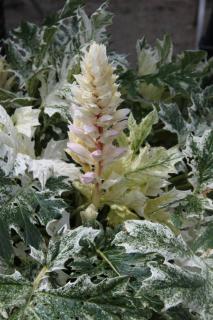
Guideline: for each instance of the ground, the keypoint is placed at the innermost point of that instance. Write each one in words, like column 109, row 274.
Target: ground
column 132, row 20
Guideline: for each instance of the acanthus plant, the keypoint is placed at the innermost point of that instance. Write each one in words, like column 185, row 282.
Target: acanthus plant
column 103, row 216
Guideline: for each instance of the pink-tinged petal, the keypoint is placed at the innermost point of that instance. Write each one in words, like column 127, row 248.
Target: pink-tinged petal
column 121, row 114
column 120, row 126
column 88, row 178
column 89, row 128
column 79, row 133
column 83, row 115
column 119, row 152
column 105, row 118
column 111, row 153
column 74, row 129
column 109, row 135
column 80, row 151
column 97, row 154
column 78, row 113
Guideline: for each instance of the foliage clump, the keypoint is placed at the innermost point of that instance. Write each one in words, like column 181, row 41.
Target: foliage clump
column 105, row 176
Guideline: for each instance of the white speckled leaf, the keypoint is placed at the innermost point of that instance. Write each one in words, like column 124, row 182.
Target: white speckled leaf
column 21, row 204
column 147, row 237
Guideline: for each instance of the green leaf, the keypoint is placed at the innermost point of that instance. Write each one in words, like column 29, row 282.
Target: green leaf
column 79, row 298
column 119, row 214
column 150, row 59
column 189, row 287
column 68, row 9
column 139, row 132
column 174, row 121
column 165, row 49
column 21, row 204
column 201, row 149
column 174, row 286
column 27, row 48
column 180, row 75
column 147, row 237
column 12, row 100
column 204, row 240
column 7, row 77
column 200, row 111
column 100, row 20
column 196, row 119
column 191, row 59
column 68, row 246
column 147, row 58
column 111, row 275
column 14, row 291
column 159, row 209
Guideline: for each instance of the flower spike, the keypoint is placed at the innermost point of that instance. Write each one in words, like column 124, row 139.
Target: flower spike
column 96, row 120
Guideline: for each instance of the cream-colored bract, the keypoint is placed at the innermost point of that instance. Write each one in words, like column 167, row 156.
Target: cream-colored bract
column 96, row 120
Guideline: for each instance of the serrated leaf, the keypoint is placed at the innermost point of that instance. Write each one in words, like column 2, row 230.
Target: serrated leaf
column 7, row 78
column 20, row 204
column 204, row 241
column 25, row 120
column 159, row 208
column 83, row 297
column 9, row 142
column 139, row 132
column 136, row 281
column 69, row 246
column 175, row 286
column 147, row 237
column 174, row 121
column 45, row 168
column 15, row 286
column 118, row 214
column 165, row 49
column 199, row 151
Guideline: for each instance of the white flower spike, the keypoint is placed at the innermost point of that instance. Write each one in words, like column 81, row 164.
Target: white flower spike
column 96, row 120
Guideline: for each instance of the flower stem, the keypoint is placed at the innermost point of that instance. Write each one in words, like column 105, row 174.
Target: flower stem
column 96, row 196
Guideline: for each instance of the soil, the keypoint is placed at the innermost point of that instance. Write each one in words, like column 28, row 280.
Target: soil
column 133, row 19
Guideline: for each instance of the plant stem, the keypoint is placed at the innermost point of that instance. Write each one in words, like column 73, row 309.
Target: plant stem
column 96, row 196
column 35, row 286
column 102, row 255
column 39, row 277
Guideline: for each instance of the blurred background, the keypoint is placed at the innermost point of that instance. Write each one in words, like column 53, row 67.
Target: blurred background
column 187, row 21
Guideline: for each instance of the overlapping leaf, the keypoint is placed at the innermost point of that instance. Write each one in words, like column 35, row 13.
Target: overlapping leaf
column 115, row 276
column 21, row 204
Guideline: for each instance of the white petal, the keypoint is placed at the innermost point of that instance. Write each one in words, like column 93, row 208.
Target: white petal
column 120, row 126
column 109, row 136
column 80, row 151
column 121, row 114
column 111, row 153
column 79, row 133
column 89, row 128
column 105, row 118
